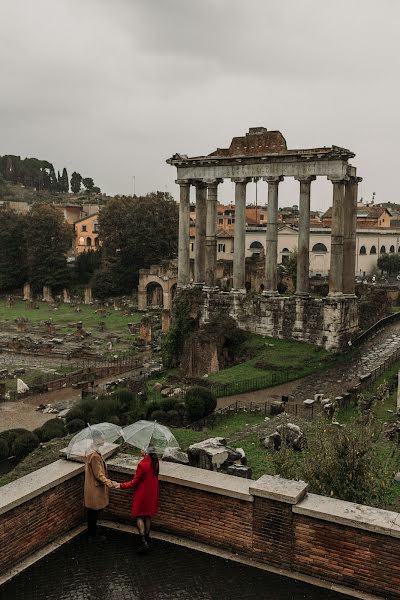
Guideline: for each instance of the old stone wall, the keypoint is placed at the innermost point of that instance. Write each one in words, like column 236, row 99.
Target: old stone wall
column 321, row 321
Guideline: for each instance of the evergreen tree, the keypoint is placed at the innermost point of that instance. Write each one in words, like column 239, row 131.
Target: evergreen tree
column 53, row 180
column 76, row 181
column 59, row 182
column 13, row 259
column 48, row 240
column 65, row 181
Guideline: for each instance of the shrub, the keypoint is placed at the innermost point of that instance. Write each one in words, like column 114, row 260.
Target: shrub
column 195, row 408
column 75, row 414
column 160, row 416
column 106, row 408
column 200, row 402
column 4, row 450
column 150, row 407
column 54, row 428
column 349, row 463
column 168, row 404
column 125, row 397
column 24, row 444
column 174, row 418
column 82, row 410
column 10, row 434
column 75, row 425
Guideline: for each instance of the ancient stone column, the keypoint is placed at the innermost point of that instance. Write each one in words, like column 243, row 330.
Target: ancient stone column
column 200, row 240
column 303, row 252
column 337, row 235
column 349, row 240
column 184, row 236
column 211, row 232
column 271, row 252
column 239, row 249
column 88, row 295
column 27, row 292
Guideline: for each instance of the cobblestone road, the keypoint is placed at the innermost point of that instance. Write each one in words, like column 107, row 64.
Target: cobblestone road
column 111, row 571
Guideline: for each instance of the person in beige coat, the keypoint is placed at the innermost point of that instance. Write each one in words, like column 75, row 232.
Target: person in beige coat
column 97, row 484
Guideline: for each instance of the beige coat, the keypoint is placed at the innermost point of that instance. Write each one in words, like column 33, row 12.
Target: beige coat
column 96, row 482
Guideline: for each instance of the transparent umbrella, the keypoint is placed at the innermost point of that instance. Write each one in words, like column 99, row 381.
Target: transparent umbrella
column 149, row 434
column 94, row 437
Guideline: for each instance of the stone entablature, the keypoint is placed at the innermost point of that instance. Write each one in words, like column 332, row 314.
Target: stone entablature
column 272, row 521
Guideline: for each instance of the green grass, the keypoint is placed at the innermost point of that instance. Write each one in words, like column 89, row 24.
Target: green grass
column 66, row 315
column 271, row 355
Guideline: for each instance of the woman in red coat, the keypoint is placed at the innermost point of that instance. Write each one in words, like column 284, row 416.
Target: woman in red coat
column 145, row 497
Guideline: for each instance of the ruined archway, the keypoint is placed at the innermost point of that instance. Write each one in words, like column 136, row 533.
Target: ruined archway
column 154, row 295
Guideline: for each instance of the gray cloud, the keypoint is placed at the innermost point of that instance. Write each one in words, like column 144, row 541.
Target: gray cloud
column 113, row 88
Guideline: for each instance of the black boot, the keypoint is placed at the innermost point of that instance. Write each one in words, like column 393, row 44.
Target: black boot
column 144, row 547
column 148, row 538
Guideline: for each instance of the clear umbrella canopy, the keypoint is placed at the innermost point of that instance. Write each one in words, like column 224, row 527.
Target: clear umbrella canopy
column 149, row 435
column 96, row 437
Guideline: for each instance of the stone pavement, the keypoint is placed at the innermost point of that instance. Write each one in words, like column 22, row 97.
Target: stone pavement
column 111, row 570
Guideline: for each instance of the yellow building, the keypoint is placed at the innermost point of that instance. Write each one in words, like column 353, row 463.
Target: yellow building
column 86, row 234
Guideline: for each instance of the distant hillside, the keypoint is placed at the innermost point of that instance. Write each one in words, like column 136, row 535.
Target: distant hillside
column 392, row 206
column 39, row 175
column 10, row 192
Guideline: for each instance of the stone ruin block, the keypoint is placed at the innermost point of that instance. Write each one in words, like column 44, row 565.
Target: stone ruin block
column 47, row 295
column 27, row 292
column 88, row 295
column 50, row 327
column 22, row 325
column 165, row 321
column 145, row 332
column 213, row 454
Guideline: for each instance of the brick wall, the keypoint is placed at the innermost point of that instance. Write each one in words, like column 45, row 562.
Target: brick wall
column 192, row 513
column 271, row 520
column 353, row 557
column 273, row 532
column 39, row 521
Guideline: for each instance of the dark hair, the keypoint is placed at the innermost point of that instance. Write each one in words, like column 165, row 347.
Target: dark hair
column 154, row 463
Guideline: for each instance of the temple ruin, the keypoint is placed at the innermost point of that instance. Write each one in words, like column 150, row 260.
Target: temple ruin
column 329, row 322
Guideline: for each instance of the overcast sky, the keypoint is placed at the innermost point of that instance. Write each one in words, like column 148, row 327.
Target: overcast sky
column 112, row 88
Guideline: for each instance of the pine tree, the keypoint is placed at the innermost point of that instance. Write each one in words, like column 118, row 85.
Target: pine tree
column 13, row 259
column 65, row 181
column 76, row 180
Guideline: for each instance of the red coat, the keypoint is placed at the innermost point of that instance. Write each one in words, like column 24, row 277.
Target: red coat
column 145, row 485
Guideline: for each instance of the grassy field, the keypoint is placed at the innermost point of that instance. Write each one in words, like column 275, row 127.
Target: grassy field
column 65, row 316
column 271, row 355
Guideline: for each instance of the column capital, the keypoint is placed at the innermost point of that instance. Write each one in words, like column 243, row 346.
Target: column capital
column 199, row 183
column 305, row 178
column 343, row 179
column 213, row 182
column 183, row 182
column 241, row 179
column 273, row 179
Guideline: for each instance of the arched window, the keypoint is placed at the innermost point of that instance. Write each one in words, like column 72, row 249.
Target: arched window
column 285, row 256
column 373, row 250
column 96, row 241
column 88, row 241
column 383, row 250
column 320, row 248
column 363, row 250
column 81, row 241
column 391, row 249
column 256, row 247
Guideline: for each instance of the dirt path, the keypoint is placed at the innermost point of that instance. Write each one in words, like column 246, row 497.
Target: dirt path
column 23, row 413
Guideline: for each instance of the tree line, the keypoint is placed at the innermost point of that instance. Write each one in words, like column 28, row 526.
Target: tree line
column 40, row 174
column 135, row 232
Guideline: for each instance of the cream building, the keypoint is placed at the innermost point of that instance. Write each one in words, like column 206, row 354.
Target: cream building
column 370, row 243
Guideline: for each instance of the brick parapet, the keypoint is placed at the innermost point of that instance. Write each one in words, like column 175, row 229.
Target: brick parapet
column 271, row 520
